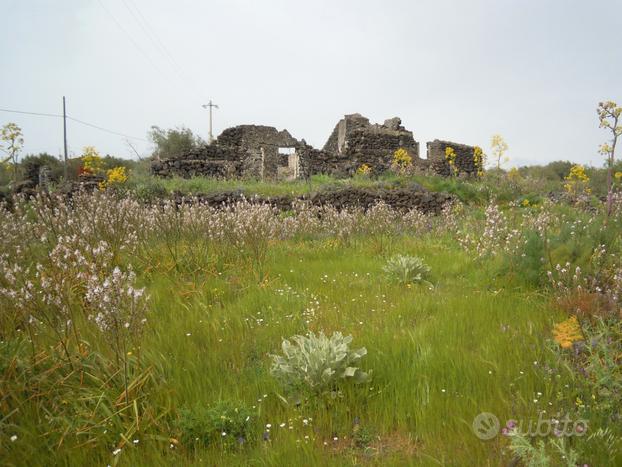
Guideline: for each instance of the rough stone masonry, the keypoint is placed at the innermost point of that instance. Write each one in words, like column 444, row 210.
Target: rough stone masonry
column 264, row 153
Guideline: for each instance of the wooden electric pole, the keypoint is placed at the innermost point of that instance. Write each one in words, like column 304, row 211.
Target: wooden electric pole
column 210, row 105
column 65, row 137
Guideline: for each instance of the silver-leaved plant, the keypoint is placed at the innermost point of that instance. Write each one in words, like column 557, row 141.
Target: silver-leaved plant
column 407, row 269
column 318, row 363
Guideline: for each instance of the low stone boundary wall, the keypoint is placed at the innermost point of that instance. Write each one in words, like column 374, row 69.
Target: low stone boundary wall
column 402, row 199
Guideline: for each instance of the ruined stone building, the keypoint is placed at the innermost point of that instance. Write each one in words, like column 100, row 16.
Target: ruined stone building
column 252, row 151
column 354, row 142
column 263, row 152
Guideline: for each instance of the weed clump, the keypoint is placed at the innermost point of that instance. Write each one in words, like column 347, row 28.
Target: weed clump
column 406, row 269
column 227, row 424
column 318, row 364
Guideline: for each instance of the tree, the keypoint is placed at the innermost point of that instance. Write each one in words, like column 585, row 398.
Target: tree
column 609, row 116
column 32, row 164
column 499, row 146
column 11, row 135
column 173, row 142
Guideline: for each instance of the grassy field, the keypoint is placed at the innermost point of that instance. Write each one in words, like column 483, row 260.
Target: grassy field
column 466, row 190
column 476, row 338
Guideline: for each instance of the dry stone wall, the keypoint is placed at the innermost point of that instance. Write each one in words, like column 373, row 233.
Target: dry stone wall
column 464, row 162
column 359, row 142
column 243, row 151
column 401, row 199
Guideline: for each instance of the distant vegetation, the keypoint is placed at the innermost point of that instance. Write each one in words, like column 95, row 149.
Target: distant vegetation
column 172, row 142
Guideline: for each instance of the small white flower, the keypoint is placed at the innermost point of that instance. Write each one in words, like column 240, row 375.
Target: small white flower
column 13, row 438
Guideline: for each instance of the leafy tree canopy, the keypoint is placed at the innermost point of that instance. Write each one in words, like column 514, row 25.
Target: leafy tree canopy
column 172, row 142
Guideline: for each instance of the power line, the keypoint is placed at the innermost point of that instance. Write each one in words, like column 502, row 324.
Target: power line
column 30, row 113
column 137, row 46
column 134, row 43
column 157, row 42
column 92, row 125
column 105, row 129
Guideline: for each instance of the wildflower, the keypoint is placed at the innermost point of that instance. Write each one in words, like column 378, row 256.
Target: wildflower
column 567, row 332
column 450, row 157
column 13, row 438
column 364, row 170
column 402, row 161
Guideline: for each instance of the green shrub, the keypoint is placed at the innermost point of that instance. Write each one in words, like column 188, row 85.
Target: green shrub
column 406, row 269
column 150, row 191
column 318, row 364
column 601, row 363
column 545, row 453
column 228, row 424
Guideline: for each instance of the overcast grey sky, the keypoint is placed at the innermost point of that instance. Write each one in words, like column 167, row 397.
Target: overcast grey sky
column 531, row 70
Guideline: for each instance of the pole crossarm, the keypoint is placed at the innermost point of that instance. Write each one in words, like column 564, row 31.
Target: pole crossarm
column 210, row 105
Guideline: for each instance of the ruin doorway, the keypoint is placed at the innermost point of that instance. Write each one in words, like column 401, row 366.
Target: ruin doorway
column 289, row 164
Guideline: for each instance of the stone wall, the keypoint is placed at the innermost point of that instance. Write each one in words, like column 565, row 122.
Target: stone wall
column 464, row 162
column 315, row 162
column 260, row 144
column 401, row 199
column 205, row 161
column 243, row 151
column 359, row 142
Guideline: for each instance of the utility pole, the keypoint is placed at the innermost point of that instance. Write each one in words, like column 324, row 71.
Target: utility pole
column 65, row 137
column 210, row 105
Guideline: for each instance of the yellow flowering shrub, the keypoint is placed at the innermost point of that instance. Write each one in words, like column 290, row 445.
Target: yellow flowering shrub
column 577, row 181
column 92, row 162
column 450, row 157
column 364, row 170
column 478, row 160
column 402, row 161
column 567, row 332
column 499, row 147
column 114, row 177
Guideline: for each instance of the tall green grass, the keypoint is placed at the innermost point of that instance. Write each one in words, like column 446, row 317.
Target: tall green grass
column 439, row 357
